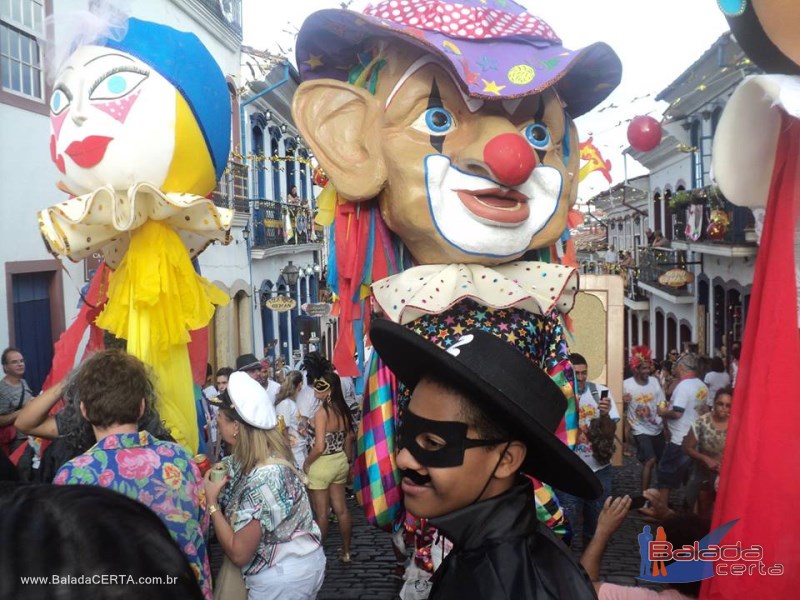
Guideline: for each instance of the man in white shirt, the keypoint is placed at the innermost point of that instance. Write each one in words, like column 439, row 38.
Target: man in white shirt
column 594, row 402
column 611, row 256
column 643, row 394
column 688, row 398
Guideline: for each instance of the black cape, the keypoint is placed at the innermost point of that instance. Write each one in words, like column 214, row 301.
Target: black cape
column 500, row 551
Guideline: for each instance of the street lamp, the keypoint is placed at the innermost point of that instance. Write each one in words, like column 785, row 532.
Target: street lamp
column 291, row 273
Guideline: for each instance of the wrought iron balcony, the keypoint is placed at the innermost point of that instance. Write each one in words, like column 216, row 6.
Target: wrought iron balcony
column 274, row 223
column 705, row 216
column 666, row 269
column 281, row 223
column 231, row 190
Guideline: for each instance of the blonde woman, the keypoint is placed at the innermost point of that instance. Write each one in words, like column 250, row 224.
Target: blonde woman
column 286, row 407
column 265, row 527
column 329, row 458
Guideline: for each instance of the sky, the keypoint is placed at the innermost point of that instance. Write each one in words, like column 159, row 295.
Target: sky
column 656, row 42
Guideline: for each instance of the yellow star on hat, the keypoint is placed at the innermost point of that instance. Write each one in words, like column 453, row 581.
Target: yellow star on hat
column 314, row 61
column 492, row 88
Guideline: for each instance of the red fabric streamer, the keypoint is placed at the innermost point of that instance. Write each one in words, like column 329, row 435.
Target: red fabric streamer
column 66, row 348
column 350, row 243
column 760, row 471
column 198, row 355
column 354, row 224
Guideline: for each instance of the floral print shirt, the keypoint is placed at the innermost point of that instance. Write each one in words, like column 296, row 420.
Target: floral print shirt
column 161, row 475
column 274, row 495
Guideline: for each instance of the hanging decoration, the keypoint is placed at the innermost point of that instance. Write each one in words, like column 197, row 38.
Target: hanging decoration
column 644, row 133
column 594, row 161
column 319, row 177
column 718, row 224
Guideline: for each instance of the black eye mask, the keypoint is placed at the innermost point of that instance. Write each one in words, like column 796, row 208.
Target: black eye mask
column 453, row 434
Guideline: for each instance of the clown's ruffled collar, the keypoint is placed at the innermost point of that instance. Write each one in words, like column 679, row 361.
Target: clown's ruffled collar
column 103, row 220
column 536, row 287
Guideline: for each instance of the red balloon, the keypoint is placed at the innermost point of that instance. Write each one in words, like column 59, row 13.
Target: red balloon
column 644, row 133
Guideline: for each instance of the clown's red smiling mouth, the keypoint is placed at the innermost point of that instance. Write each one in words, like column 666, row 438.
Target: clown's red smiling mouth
column 494, row 204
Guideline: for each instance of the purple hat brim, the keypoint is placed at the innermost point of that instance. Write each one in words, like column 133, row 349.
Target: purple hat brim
column 497, row 68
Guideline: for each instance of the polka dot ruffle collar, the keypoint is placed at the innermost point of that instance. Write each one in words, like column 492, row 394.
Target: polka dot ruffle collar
column 101, row 221
column 431, row 289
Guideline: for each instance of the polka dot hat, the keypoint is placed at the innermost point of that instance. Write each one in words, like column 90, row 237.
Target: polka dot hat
column 495, row 48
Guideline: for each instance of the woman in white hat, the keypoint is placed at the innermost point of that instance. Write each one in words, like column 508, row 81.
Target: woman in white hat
column 266, row 526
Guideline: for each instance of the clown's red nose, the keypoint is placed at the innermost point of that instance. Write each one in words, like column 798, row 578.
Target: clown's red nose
column 510, row 157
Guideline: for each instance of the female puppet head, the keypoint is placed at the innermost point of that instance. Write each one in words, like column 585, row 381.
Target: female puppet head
column 152, row 106
column 456, row 116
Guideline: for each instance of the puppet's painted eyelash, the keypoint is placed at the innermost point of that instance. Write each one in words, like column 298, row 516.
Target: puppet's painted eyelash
column 129, row 77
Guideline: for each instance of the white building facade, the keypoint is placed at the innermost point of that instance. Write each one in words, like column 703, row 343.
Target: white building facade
column 696, row 290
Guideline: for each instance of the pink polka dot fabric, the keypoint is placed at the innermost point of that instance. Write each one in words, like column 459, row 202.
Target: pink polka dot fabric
column 457, row 19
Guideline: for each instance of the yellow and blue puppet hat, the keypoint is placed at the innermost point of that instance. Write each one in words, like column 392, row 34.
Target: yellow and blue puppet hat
column 182, row 59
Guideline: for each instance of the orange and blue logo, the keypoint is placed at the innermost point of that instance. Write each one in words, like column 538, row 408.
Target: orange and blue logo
column 661, row 562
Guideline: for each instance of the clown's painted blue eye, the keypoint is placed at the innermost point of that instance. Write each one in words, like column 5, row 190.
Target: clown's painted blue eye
column 117, row 83
column 59, row 101
column 436, row 120
column 538, row 136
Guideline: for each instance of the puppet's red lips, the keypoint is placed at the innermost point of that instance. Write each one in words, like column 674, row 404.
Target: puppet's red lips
column 506, row 207
column 88, row 152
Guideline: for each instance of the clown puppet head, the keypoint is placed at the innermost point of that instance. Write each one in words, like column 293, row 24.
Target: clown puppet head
column 150, row 105
column 456, row 116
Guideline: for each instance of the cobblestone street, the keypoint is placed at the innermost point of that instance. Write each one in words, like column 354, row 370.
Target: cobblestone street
column 370, row 575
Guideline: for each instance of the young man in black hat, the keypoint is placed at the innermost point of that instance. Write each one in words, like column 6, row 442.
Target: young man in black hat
column 248, row 363
column 480, row 415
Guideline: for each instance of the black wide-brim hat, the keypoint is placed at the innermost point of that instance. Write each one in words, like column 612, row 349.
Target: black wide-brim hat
column 511, row 390
column 247, row 362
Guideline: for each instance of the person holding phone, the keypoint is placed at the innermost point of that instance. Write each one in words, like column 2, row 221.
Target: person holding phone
column 597, row 418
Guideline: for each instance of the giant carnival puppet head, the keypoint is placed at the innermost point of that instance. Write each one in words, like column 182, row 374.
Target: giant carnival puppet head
column 136, row 103
column 456, row 116
column 144, row 103
column 769, row 33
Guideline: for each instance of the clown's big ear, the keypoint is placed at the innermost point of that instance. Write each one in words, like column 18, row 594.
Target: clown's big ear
column 341, row 124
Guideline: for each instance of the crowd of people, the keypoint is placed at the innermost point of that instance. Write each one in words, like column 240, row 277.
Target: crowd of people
column 677, row 416
column 286, row 449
